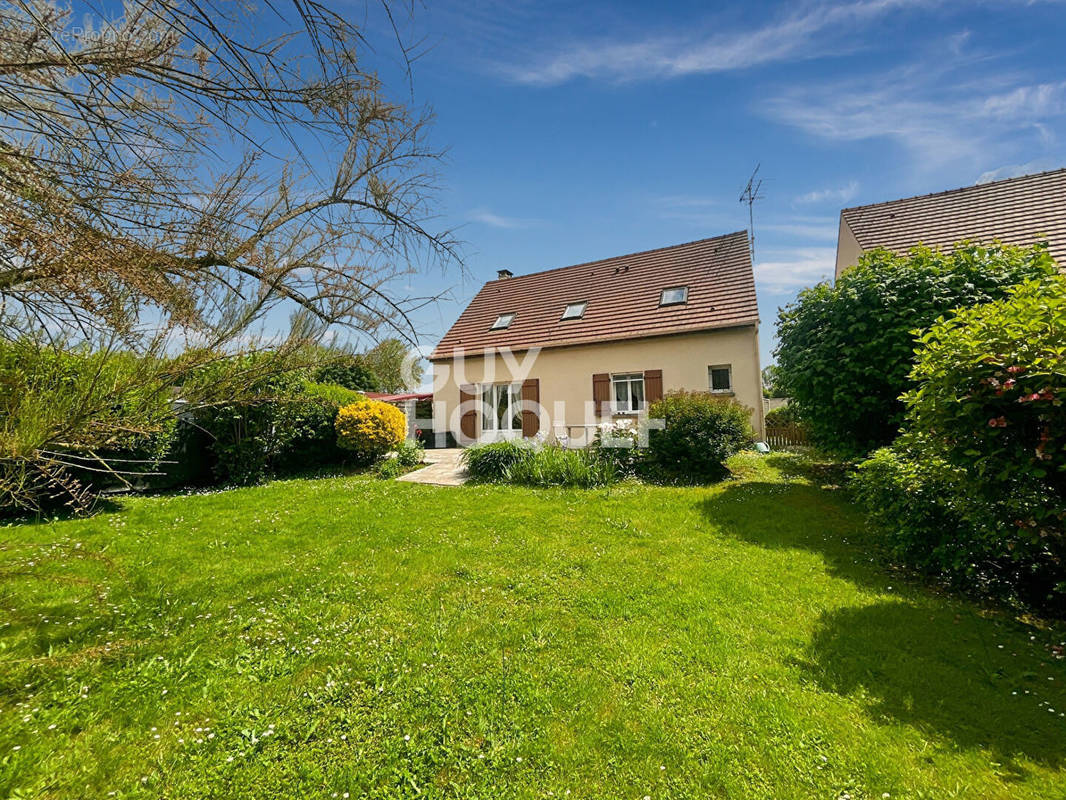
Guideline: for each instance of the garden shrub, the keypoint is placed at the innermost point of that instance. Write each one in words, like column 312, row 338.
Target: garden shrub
column 785, row 415
column 621, row 446
column 66, row 412
column 370, row 429
column 846, row 349
column 409, row 454
column 289, row 427
column 349, row 371
column 390, row 468
column 976, row 488
column 701, row 432
column 493, row 462
column 311, row 416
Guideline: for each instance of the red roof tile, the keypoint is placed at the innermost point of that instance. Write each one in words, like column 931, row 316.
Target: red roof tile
column 1015, row 211
column 622, row 295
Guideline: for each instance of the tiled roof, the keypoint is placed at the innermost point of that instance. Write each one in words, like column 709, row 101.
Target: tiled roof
column 622, row 295
column 1015, row 211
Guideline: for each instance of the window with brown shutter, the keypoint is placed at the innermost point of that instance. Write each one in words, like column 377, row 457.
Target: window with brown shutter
column 530, row 407
column 468, row 421
column 653, row 385
column 601, row 393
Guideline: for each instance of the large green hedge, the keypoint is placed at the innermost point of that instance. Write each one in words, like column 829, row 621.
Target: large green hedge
column 846, row 350
column 975, row 489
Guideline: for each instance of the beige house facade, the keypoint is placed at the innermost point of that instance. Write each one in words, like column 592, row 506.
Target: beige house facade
column 556, row 355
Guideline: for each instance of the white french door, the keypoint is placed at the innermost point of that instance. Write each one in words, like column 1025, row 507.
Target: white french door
column 501, row 411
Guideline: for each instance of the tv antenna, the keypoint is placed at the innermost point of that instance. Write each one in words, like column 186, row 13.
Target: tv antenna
column 749, row 196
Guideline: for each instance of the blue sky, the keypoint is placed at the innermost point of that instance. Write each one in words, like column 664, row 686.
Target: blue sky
column 581, row 132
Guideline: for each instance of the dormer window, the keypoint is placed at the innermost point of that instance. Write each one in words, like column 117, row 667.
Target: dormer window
column 575, row 310
column 674, row 296
column 502, row 322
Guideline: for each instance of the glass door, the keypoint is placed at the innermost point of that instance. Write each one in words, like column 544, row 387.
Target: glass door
column 501, row 411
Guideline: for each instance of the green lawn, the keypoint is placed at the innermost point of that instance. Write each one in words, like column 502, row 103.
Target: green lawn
column 351, row 637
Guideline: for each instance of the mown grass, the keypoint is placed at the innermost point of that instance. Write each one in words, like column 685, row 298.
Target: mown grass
column 312, row 638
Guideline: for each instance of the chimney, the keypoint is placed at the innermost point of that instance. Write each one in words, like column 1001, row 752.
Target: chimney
column 503, row 273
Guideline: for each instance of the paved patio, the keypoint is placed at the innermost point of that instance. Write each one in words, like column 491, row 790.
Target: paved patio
column 443, row 469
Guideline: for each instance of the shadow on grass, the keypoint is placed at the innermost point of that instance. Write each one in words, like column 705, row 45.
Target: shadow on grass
column 923, row 660
column 946, row 675
column 108, row 504
column 821, row 471
column 798, row 516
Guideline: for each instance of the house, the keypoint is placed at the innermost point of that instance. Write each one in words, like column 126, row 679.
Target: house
column 557, row 353
column 1017, row 211
column 406, row 402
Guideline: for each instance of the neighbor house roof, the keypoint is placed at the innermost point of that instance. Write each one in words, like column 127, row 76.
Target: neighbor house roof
column 387, row 397
column 622, row 297
column 1017, row 211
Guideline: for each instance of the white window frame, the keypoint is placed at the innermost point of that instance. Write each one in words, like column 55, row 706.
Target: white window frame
column 490, row 423
column 581, row 305
column 710, row 378
column 503, row 321
column 627, row 406
column 684, row 296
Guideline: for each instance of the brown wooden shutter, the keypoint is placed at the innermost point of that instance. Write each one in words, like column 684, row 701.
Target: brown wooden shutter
column 468, row 421
column 653, row 385
column 601, row 393
column 530, row 407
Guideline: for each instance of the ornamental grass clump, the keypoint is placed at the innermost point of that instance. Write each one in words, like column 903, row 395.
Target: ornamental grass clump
column 491, row 463
column 558, row 466
column 370, row 429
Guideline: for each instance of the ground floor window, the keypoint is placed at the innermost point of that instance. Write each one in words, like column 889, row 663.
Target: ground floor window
column 501, row 408
column 628, row 392
column 720, row 378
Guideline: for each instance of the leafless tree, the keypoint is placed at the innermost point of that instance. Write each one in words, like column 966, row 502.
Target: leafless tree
column 187, row 171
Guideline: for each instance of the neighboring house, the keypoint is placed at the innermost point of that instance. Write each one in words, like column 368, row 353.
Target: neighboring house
column 406, row 402
column 1017, row 211
column 559, row 352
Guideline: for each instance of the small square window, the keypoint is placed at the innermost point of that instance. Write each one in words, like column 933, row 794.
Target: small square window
column 674, row 296
column 575, row 310
column 720, row 378
column 502, row 321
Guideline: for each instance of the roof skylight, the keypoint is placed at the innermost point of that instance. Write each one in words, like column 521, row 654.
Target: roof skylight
column 503, row 321
column 674, row 296
column 575, row 310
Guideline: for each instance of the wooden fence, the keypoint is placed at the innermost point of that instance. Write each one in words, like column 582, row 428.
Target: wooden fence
column 790, row 435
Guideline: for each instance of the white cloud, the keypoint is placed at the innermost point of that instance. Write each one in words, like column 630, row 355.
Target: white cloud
column 941, row 115
column 840, row 195
column 486, row 217
column 797, row 268
column 822, row 29
column 1041, row 100
column 1017, row 170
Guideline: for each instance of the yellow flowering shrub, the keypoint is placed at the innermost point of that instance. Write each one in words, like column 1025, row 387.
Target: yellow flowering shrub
column 370, row 428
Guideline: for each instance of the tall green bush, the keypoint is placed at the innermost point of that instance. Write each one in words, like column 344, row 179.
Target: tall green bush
column 701, row 432
column 63, row 411
column 350, row 371
column 975, row 490
column 846, row 350
column 288, row 426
